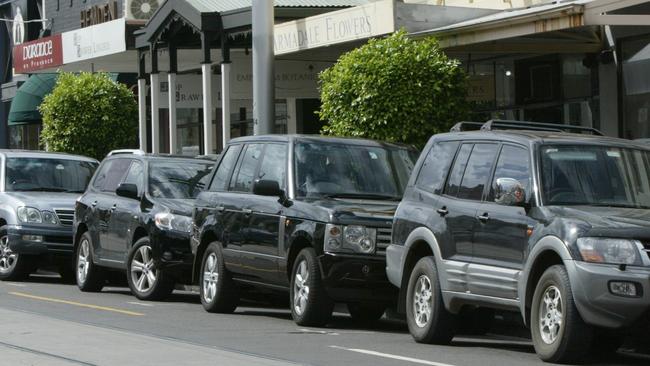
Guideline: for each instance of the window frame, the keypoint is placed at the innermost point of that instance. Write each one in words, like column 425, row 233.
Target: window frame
column 239, row 163
column 529, row 195
column 232, row 170
column 286, row 172
column 443, row 182
column 141, row 190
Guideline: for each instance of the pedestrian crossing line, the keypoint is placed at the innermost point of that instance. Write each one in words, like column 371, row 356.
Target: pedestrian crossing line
column 73, row 303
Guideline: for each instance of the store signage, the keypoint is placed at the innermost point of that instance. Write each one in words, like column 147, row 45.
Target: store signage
column 360, row 22
column 40, row 54
column 189, row 91
column 94, row 41
column 98, row 14
column 481, row 88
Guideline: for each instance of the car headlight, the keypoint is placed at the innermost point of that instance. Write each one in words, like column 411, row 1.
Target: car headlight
column 29, row 215
column 612, row 251
column 49, row 217
column 169, row 221
column 353, row 238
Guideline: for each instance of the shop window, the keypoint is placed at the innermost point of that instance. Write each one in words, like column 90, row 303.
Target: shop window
column 636, row 88
column 25, row 137
column 538, row 80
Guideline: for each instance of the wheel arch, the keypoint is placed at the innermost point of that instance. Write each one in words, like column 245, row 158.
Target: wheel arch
column 81, row 229
column 3, row 222
column 207, row 238
column 420, row 243
column 297, row 243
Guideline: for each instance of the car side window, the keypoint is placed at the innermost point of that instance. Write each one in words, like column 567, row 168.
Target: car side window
column 220, row 180
column 135, row 175
column 114, row 174
column 478, row 171
column 248, row 164
column 456, row 175
column 436, row 165
column 513, row 163
column 274, row 164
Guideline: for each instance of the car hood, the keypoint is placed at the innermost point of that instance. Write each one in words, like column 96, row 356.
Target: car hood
column 176, row 206
column 354, row 210
column 45, row 200
column 608, row 221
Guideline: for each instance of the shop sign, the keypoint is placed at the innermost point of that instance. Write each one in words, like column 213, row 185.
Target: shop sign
column 40, row 54
column 341, row 26
column 98, row 14
column 94, row 41
column 481, row 88
column 189, row 91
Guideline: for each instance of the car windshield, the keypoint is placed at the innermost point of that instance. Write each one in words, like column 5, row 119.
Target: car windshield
column 48, row 175
column 178, row 179
column 595, row 176
column 352, row 171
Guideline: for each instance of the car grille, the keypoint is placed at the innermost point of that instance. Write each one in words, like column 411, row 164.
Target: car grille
column 65, row 216
column 383, row 239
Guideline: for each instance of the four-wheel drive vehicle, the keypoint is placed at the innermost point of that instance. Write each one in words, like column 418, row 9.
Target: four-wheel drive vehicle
column 37, row 195
column 135, row 217
column 310, row 216
column 553, row 225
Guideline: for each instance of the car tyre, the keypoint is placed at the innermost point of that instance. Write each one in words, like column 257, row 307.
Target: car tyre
column 310, row 304
column 427, row 318
column 219, row 293
column 146, row 281
column 366, row 313
column 89, row 277
column 558, row 331
column 13, row 266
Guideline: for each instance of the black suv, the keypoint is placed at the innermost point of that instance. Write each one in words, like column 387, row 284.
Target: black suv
column 551, row 224
column 310, row 216
column 135, row 217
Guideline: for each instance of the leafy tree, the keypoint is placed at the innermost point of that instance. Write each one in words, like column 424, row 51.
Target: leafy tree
column 395, row 89
column 89, row 114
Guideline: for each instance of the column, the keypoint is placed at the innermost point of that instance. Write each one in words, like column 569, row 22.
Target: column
column 171, row 79
column 206, row 70
column 155, row 102
column 263, row 68
column 225, row 89
column 292, row 118
column 142, row 102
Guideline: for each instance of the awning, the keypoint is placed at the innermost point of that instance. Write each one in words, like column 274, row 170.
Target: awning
column 24, row 106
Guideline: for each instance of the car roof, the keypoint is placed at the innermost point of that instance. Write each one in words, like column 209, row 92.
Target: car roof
column 44, row 154
column 317, row 138
column 163, row 157
column 542, row 137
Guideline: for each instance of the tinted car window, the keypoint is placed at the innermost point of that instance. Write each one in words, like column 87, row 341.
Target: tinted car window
column 243, row 181
column 111, row 175
column 458, row 170
column 48, row 174
column 436, row 165
column 136, row 176
column 512, row 163
column 478, row 171
column 178, row 179
column 220, row 180
column 274, row 164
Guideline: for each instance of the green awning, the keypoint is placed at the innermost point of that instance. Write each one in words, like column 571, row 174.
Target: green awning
column 24, row 106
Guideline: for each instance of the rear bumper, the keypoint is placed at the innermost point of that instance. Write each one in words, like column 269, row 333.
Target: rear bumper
column 354, row 278
column 32, row 240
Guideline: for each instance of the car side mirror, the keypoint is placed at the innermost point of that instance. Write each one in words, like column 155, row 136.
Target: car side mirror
column 128, row 190
column 509, row 192
column 270, row 188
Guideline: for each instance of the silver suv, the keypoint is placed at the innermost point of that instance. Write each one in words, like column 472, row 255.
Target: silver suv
column 38, row 191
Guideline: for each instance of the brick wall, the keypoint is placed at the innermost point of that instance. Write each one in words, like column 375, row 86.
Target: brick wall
column 66, row 14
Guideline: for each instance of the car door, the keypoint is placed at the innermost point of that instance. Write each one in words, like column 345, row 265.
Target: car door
column 501, row 238
column 125, row 213
column 261, row 246
column 106, row 207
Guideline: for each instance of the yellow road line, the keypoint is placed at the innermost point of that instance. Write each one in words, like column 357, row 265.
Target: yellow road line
column 89, row 306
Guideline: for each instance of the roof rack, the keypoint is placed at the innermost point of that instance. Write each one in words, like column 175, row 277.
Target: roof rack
column 126, row 152
column 496, row 124
column 466, row 126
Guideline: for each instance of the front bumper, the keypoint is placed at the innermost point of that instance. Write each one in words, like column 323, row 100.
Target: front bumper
column 54, row 240
column 356, row 278
column 597, row 305
column 172, row 252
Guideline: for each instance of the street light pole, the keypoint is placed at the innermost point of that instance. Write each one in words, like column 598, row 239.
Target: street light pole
column 263, row 68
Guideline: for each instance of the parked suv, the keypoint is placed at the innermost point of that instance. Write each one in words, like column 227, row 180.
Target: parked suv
column 551, row 224
column 135, row 217
column 309, row 216
column 37, row 195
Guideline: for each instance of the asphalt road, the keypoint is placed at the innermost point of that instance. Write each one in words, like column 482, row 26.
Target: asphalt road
column 47, row 322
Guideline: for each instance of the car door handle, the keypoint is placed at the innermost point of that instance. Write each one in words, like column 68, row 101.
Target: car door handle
column 114, row 207
column 94, row 204
column 247, row 212
column 442, row 211
column 483, row 218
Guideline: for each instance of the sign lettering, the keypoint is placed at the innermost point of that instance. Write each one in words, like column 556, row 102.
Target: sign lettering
column 40, row 54
column 98, row 14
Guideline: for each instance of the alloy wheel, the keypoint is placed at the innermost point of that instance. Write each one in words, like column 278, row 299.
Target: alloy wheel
column 143, row 273
column 301, row 288
column 551, row 315
column 422, row 301
column 210, row 278
column 83, row 261
column 8, row 258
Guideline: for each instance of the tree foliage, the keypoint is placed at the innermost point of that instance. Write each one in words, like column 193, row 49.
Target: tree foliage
column 395, row 89
column 89, row 114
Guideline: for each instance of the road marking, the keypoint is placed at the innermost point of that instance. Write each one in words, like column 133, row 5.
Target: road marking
column 89, row 306
column 394, row 357
column 15, row 284
column 139, row 303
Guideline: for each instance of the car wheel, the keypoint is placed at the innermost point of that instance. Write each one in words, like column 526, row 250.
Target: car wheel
column 90, row 278
column 558, row 331
column 427, row 318
column 366, row 313
column 145, row 280
column 12, row 265
column 219, row 293
column 310, row 303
